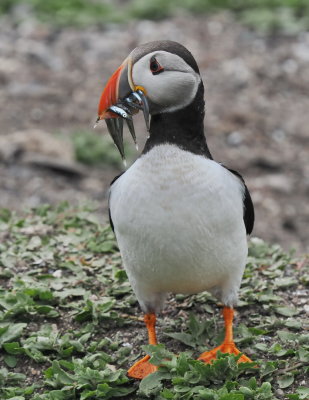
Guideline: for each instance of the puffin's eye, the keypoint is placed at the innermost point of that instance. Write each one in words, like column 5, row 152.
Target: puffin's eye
column 155, row 67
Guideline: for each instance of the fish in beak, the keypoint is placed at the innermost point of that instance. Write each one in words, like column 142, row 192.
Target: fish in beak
column 119, row 101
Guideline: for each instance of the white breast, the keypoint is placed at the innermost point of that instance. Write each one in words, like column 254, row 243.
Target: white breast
column 178, row 220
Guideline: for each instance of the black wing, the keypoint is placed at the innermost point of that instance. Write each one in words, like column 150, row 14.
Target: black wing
column 248, row 205
column 109, row 210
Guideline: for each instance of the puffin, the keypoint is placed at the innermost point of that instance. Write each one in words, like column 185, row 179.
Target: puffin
column 180, row 218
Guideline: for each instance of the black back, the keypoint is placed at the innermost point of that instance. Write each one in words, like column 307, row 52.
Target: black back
column 248, row 205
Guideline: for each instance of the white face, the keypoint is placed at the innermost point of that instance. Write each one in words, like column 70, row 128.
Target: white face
column 170, row 83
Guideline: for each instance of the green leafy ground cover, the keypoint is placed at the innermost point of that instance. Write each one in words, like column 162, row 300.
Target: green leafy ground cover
column 93, row 149
column 70, row 326
column 290, row 16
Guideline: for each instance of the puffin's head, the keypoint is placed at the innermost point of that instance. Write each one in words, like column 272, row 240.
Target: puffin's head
column 158, row 77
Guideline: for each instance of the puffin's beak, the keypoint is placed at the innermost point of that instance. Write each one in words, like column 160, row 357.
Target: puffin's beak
column 119, row 100
column 118, row 87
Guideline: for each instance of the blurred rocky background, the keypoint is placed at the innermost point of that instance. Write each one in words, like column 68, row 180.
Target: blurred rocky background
column 55, row 57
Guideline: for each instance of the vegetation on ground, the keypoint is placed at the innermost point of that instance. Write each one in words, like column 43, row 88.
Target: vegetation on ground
column 70, row 326
column 93, row 149
column 290, row 16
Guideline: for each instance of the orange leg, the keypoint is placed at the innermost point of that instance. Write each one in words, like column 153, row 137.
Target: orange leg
column 143, row 367
column 228, row 345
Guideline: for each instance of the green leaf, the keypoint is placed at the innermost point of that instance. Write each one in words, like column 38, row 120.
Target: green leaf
column 71, row 292
column 11, row 361
column 10, row 378
column 287, row 336
column 59, row 374
column 268, row 368
column 285, row 282
column 246, row 391
column 11, row 332
column 287, row 311
column 303, row 354
column 232, row 396
column 167, row 394
column 34, row 243
column 261, row 346
column 183, row 337
column 293, row 323
column 303, row 392
column 13, row 348
column 88, row 394
column 159, row 354
column 285, row 381
column 49, row 311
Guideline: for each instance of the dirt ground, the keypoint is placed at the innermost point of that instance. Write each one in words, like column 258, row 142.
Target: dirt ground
column 257, row 112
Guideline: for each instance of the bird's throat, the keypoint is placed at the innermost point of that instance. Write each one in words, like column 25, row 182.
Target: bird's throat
column 184, row 128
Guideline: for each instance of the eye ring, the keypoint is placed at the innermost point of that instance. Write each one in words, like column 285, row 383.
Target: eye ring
column 155, row 66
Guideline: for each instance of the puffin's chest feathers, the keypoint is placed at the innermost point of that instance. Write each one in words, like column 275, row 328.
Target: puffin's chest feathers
column 168, row 181
column 173, row 212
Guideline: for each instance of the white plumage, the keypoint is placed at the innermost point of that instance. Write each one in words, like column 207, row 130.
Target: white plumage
column 179, row 224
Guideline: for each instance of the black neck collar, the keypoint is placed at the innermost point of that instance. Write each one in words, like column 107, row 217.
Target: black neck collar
column 184, row 128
